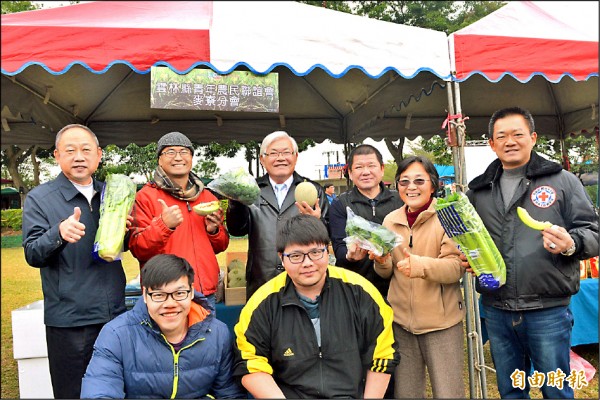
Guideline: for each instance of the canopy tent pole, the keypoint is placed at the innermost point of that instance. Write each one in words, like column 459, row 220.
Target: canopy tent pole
column 598, row 181
column 561, row 127
column 476, row 361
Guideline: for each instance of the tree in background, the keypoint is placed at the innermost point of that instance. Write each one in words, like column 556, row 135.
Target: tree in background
column 14, row 157
column 130, row 160
column 9, row 7
column 206, row 167
column 583, row 152
column 435, row 149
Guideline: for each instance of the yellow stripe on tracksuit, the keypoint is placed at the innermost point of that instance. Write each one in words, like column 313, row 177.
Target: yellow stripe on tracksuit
column 248, row 351
column 384, row 349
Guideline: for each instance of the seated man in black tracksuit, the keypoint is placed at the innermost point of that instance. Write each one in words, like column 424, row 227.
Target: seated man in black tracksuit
column 315, row 330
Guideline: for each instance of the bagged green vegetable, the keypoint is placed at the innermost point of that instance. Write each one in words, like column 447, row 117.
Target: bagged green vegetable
column 462, row 223
column 116, row 202
column 236, row 184
column 369, row 235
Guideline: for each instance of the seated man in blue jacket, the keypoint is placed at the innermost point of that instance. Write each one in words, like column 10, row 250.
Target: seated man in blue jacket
column 315, row 330
column 170, row 345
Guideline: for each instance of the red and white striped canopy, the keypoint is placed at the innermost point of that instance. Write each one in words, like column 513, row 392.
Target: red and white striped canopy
column 341, row 77
column 527, row 38
column 184, row 34
column 539, row 55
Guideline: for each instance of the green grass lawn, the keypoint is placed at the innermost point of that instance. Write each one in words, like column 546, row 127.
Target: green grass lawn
column 21, row 286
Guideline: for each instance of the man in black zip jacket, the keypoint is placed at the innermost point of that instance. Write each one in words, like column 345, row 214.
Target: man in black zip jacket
column 370, row 199
column 528, row 318
column 81, row 293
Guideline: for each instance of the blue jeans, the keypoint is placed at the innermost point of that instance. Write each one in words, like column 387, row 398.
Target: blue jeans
column 522, row 340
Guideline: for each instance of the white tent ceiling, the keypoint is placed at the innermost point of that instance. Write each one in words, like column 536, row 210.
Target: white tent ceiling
column 342, row 77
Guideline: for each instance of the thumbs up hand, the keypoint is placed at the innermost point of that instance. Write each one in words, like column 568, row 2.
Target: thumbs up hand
column 404, row 264
column 171, row 215
column 71, row 230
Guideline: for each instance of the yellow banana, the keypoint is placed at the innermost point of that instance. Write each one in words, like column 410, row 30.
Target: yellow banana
column 530, row 222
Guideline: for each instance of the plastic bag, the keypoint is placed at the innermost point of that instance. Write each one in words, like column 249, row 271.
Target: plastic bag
column 462, row 224
column 579, row 363
column 370, row 235
column 236, row 184
column 116, row 202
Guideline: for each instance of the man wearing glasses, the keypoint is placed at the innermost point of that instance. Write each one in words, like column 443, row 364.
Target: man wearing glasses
column 370, row 199
column 315, row 331
column 169, row 345
column 164, row 222
column 278, row 155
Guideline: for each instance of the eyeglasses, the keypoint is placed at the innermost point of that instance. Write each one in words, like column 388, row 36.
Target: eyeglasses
column 178, row 295
column 171, row 153
column 418, row 182
column 313, row 255
column 276, row 154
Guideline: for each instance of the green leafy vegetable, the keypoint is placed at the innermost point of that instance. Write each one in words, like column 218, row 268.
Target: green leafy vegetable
column 370, row 235
column 236, row 184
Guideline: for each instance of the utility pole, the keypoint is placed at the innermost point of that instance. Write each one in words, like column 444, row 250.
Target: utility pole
column 329, row 153
column 319, row 169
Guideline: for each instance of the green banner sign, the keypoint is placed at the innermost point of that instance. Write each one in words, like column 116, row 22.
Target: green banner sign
column 203, row 89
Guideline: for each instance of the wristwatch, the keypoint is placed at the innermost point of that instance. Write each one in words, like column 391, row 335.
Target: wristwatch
column 570, row 251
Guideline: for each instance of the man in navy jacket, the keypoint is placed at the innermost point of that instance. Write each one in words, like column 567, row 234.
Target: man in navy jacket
column 81, row 294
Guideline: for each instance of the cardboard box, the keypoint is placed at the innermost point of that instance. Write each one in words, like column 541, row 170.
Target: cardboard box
column 29, row 331
column 234, row 296
column 30, row 351
column 34, row 378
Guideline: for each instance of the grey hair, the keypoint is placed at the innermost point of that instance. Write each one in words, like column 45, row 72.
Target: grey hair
column 70, row 126
column 271, row 137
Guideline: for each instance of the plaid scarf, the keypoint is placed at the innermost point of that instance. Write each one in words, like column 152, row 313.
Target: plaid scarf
column 190, row 193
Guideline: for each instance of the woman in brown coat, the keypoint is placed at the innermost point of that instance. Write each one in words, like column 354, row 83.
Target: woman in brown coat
column 425, row 291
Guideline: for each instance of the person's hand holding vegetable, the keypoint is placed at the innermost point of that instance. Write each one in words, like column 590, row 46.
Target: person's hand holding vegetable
column 304, row 208
column 556, row 239
column 379, row 259
column 214, row 221
column 464, row 262
column 355, row 253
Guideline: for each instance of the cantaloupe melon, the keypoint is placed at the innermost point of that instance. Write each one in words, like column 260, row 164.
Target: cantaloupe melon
column 307, row 192
column 206, row 208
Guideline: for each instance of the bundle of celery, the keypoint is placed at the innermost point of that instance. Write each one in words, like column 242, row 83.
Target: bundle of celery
column 117, row 199
column 462, row 223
